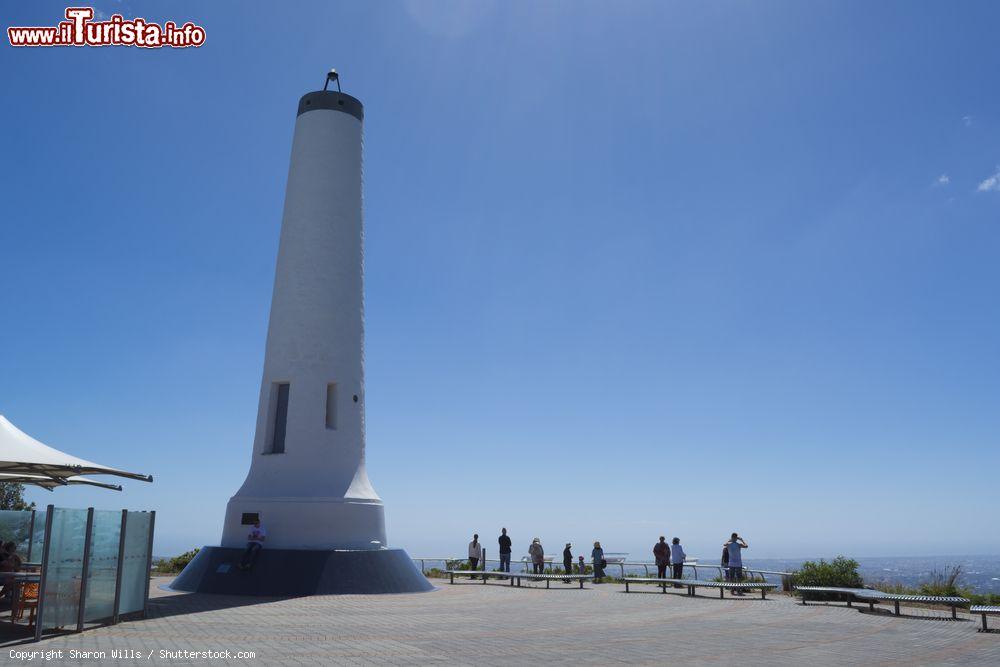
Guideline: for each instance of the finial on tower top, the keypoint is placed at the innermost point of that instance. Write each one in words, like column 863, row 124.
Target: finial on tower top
column 332, row 76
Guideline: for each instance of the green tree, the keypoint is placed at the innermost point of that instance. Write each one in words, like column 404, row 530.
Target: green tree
column 12, row 497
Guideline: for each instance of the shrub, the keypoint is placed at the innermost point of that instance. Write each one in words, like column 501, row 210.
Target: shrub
column 944, row 583
column 840, row 572
column 177, row 563
column 984, row 598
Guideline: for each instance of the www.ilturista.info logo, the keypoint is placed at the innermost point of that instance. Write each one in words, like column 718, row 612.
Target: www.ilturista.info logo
column 80, row 30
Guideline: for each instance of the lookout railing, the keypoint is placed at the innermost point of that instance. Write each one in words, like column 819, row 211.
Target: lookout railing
column 784, row 578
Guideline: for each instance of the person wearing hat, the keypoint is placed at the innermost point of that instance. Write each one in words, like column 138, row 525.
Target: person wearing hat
column 568, row 559
column 677, row 555
column 537, row 554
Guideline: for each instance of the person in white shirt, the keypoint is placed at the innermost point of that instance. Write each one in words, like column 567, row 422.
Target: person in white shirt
column 475, row 553
column 734, row 547
column 677, row 557
column 255, row 542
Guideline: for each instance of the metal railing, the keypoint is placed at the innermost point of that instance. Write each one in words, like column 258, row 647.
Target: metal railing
column 525, row 562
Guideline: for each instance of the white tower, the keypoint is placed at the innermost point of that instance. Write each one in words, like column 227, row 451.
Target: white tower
column 307, row 482
column 307, row 479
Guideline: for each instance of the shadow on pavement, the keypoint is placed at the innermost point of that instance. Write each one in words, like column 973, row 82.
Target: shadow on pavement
column 161, row 606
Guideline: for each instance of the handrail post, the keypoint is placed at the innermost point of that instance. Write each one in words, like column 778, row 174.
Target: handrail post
column 149, row 561
column 85, row 570
column 42, row 577
column 121, row 565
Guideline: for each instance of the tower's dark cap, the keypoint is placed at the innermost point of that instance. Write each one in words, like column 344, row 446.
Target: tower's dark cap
column 335, row 101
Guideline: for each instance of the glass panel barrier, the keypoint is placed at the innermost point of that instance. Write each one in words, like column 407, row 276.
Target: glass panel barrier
column 38, row 543
column 63, row 569
column 135, row 567
column 102, row 571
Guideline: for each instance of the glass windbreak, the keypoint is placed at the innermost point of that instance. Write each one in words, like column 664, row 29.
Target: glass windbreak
column 38, row 543
column 15, row 526
column 135, row 566
column 102, row 572
column 64, row 569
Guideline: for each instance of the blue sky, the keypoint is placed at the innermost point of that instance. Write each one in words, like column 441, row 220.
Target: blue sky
column 632, row 269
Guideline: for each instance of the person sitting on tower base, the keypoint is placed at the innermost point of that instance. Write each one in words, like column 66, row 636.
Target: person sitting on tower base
column 255, row 542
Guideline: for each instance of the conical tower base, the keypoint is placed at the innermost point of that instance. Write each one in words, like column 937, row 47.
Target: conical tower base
column 295, row 572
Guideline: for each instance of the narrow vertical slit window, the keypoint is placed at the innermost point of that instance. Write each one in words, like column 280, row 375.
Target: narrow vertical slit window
column 331, row 406
column 280, row 417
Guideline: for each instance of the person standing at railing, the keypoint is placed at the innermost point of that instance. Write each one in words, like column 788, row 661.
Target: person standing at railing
column 661, row 553
column 677, row 555
column 537, row 554
column 505, row 549
column 734, row 547
column 568, row 559
column 597, row 558
column 582, row 565
column 475, row 553
column 725, row 561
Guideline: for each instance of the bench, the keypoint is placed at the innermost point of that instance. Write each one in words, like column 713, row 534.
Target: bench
column 874, row 597
column 516, row 577
column 984, row 611
column 849, row 593
column 481, row 573
column 692, row 584
column 548, row 578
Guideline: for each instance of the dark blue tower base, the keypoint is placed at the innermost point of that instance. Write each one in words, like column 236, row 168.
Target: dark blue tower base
column 293, row 572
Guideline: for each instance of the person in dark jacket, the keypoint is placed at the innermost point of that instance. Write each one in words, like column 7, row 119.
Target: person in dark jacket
column 725, row 562
column 504, row 550
column 661, row 552
column 9, row 562
column 537, row 554
column 597, row 557
column 568, row 559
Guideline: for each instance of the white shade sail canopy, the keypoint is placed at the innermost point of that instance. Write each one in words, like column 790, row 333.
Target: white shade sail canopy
column 49, row 483
column 20, row 454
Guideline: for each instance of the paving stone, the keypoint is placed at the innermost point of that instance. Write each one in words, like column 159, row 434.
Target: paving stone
column 476, row 624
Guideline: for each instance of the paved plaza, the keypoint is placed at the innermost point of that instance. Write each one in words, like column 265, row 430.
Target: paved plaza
column 469, row 623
